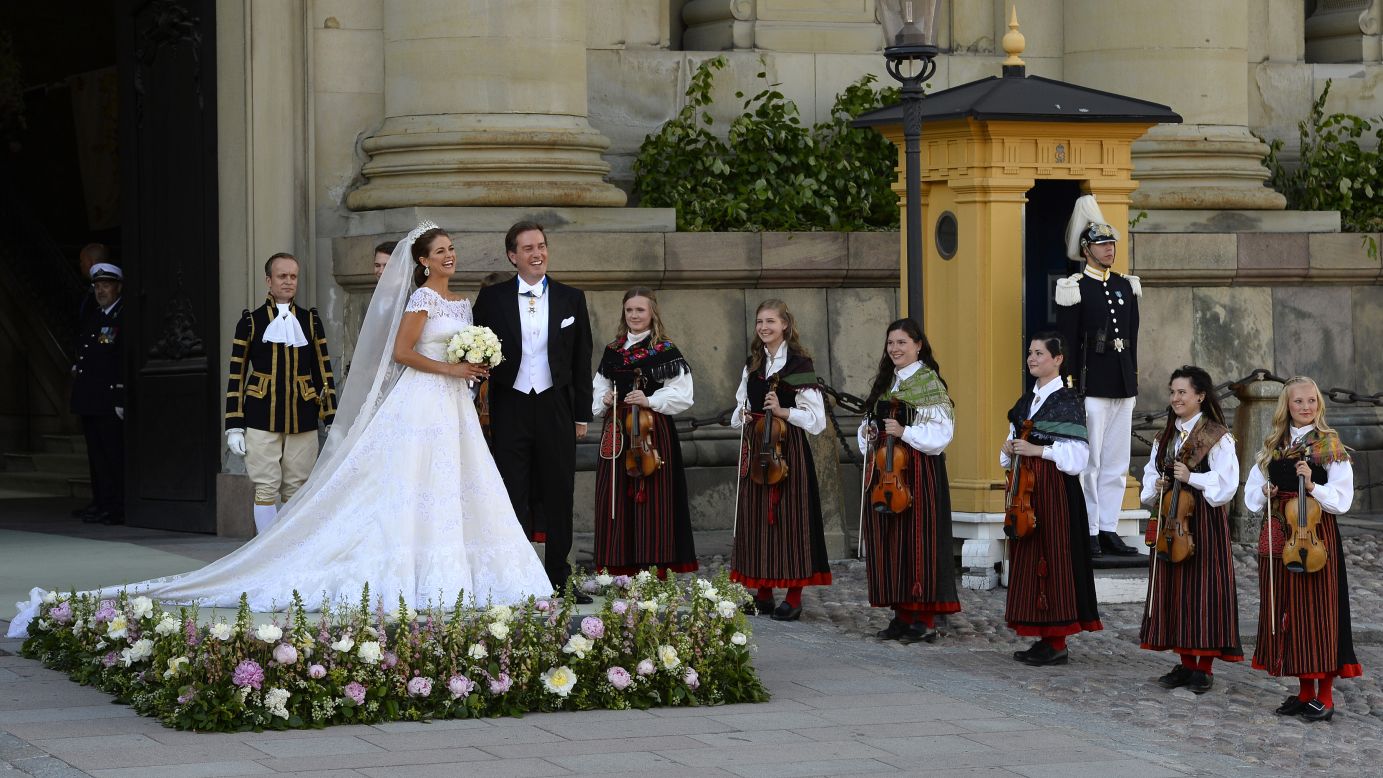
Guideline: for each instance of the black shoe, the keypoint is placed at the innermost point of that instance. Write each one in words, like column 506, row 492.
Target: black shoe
column 581, row 598
column 1180, row 676
column 1114, row 544
column 1022, row 656
column 1291, row 707
column 893, row 631
column 1315, row 710
column 1044, row 655
column 110, row 519
column 785, row 612
column 917, row 632
column 1201, row 682
column 1095, row 550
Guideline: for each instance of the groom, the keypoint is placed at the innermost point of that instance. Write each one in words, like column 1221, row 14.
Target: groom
column 540, row 395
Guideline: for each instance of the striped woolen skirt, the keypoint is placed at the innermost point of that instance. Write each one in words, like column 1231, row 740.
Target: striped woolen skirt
column 648, row 523
column 1051, row 586
column 908, row 555
column 1193, row 607
column 779, row 536
column 1311, row 611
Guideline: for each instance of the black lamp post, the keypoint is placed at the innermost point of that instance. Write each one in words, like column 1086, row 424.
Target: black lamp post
column 910, row 48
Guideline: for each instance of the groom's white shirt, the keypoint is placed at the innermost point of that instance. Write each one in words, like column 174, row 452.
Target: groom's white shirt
column 535, row 374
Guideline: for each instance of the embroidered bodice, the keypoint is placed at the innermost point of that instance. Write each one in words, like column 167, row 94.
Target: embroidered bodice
column 444, row 319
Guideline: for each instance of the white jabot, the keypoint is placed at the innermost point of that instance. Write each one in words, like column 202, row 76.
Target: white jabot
column 1300, row 432
column 634, row 337
column 285, row 328
column 810, row 410
column 535, row 374
column 675, row 396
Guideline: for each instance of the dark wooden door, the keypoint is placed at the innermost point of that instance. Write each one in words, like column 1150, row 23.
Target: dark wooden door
column 1044, row 257
column 168, row 180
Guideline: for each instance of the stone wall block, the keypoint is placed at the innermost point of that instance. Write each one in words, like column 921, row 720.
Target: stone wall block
column 874, row 258
column 1367, row 304
column 349, row 14
column 708, row 327
column 1315, row 334
column 858, row 319
column 1232, row 332
column 1342, row 256
column 1185, row 256
column 1270, row 255
column 804, row 258
column 1167, row 321
column 628, row 259
column 347, row 61
column 714, row 258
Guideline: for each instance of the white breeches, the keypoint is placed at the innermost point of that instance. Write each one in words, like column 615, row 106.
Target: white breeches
column 1109, row 422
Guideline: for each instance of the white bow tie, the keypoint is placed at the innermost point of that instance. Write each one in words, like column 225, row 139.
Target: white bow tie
column 535, row 290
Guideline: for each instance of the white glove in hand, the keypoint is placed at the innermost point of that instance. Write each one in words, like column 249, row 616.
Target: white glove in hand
column 235, row 441
column 120, row 413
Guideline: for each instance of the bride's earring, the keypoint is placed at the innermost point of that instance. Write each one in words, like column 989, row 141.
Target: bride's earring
column 427, row 271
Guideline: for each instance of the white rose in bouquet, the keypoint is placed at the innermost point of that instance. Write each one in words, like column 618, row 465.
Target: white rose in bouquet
column 476, row 345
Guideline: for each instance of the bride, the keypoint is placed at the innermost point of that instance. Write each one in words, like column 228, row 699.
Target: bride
column 405, row 495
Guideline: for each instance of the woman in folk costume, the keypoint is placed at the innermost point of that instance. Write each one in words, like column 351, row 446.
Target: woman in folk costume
column 1192, row 608
column 642, row 381
column 1051, row 589
column 1303, row 621
column 779, row 538
column 908, row 553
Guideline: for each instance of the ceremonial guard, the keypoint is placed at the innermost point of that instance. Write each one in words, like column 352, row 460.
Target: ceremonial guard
column 641, row 514
column 905, row 524
column 1051, row 587
column 280, row 387
column 1097, row 315
column 1191, row 476
column 779, row 537
column 1304, row 477
column 98, row 394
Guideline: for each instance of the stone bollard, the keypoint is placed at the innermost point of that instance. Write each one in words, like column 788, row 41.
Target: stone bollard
column 826, row 456
column 1253, row 420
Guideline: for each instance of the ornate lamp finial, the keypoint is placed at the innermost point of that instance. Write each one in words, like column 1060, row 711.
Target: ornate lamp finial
column 1014, row 42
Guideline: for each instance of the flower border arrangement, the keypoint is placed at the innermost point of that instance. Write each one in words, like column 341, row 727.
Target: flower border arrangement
column 654, row 643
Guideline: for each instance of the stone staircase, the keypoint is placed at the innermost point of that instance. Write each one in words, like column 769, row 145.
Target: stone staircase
column 59, row 470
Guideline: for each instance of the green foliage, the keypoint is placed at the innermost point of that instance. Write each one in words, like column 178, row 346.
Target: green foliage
column 1334, row 172
column 771, row 172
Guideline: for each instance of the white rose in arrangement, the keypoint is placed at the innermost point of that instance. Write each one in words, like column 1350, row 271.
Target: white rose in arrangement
column 166, row 626
column 648, row 605
column 175, row 666
column 370, row 652
column 50, row 598
column 644, row 576
column 499, row 629
column 578, row 645
column 276, row 702
column 668, row 656
column 604, row 579
column 346, row 643
column 141, row 650
column 221, row 631
column 268, row 633
column 726, row 609
column 559, row 680
column 141, row 607
column 117, row 628
column 739, row 638
column 500, row 613
column 477, row 651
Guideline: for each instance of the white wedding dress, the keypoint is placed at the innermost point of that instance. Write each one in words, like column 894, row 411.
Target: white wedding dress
column 411, row 503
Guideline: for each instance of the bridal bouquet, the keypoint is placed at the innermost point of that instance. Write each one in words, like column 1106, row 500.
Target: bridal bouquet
column 476, row 345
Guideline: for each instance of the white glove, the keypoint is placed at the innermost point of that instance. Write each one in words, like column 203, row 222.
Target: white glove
column 235, row 441
column 120, row 413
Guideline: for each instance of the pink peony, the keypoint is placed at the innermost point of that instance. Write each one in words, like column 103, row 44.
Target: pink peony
column 420, row 686
column 619, row 678
column 110, row 659
column 105, row 612
column 389, row 660
column 355, row 692
column 317, row 671
column 589, row 586
column 645, row 667
column 542, row 605
column 623, row 581
column 248, row 673
column 593, row 628
column 460, row 687
column 285, row 654
column 501, row 684
column 61, row 613
column 619, row 607
column 691, row 679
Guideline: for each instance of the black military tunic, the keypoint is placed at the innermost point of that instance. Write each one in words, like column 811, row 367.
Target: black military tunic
column 98, row 388
column 276, row 387
column 1098, row 320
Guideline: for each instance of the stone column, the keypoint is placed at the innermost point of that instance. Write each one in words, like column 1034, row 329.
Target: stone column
column 1191, row 55
column 1253, row 420
column 485, row 105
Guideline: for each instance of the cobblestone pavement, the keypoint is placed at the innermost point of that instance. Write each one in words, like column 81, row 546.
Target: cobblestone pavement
column 1110, row 674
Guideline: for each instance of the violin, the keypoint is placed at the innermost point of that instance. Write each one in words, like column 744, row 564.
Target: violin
column 1174, row 541
column 641, row 457
column 767, row 464
column 1020, row 518
column 1304, row 551
column 890, row 493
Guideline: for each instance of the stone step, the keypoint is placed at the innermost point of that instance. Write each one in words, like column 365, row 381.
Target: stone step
column 1123, row 584
column 27, row 462
column 54, row 484
column 64, row 444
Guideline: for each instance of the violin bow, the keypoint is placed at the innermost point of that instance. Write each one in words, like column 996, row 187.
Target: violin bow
column 739, row 467
column 864, row 489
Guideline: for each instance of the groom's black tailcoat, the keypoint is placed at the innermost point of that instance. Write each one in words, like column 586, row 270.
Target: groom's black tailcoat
column 533, row 436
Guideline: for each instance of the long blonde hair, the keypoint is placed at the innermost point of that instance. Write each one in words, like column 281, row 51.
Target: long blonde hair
column 1282, row 420
column 756, row 348
column 655, row 320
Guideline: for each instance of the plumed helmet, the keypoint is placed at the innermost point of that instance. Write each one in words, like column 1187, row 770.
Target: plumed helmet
column 1087, row 226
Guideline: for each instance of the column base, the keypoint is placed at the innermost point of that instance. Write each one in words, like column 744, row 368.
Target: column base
column 984, row 553
column 485, row 160
column 1202, row 166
